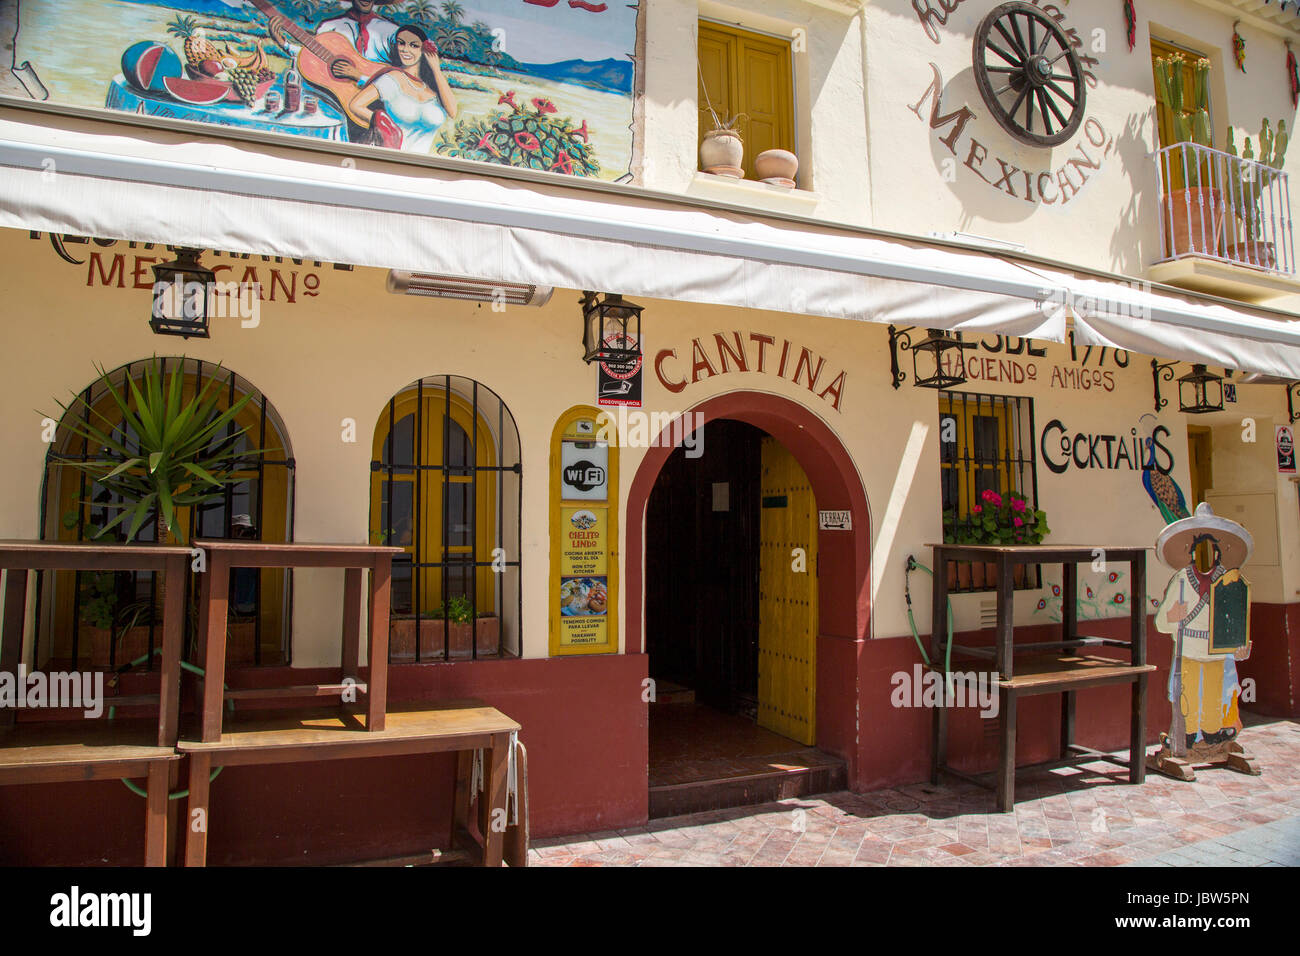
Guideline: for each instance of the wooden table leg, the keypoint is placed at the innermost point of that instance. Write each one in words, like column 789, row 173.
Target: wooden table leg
column 1137, row 744
column 155, row 824
column 1007, row 751
column 11, row 634
column 214, row 598
column 462, row 797
column 353, row 587
column 169, row 694
column 197, row 820
column 1067, row 722
column 495, row 798
column 1137, row 603
column 377, row 643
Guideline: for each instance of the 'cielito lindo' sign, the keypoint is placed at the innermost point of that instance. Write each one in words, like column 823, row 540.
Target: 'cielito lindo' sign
column 971, row 138
column 584, row 537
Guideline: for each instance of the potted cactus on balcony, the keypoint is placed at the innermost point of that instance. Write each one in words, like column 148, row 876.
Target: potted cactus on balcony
column 1253, row 177
column 1192, row 210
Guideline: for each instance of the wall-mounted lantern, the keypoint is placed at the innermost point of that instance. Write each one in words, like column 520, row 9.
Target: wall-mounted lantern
column 182, row 290
column 928, row 358
column 1199, row 391
column 611, row 329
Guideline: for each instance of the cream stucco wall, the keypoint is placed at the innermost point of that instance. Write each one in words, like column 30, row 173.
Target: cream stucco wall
column 345, row 352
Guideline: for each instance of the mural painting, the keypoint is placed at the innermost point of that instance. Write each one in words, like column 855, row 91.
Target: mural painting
column 536, row 84
column 1208, row 614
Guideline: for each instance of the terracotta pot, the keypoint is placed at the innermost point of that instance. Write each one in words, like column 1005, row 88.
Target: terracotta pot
column 489, row 637
column 1252, row 252
column 131, row 643
column 241, row 638
column 1195, row 217
column 1020, row 574
column 777, row 166
column 952, row 575
column 990, row 574
column 723, row 153
column 401, row 638
column 964, row 575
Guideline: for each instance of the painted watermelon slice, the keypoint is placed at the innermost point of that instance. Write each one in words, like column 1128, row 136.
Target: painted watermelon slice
column 232, row 94
column 196, row 92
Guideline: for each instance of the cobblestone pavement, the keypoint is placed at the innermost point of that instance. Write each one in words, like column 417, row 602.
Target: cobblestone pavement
column 1086, row 816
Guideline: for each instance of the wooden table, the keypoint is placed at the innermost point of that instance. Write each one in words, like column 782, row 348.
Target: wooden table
column 462, row 726
column 68, row 751
column 223, row 555
column 1054, row 666
column 19, row 557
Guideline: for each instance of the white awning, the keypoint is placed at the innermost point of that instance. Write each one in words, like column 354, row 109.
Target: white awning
column 627, row 242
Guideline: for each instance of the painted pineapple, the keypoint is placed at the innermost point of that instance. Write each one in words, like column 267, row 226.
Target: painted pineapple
column 196, row 46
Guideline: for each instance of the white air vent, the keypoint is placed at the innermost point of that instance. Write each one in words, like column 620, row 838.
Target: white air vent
column 989, row 613
column 471, row 290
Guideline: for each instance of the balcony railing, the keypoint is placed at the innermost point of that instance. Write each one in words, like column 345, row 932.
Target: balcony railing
column 1214, row 205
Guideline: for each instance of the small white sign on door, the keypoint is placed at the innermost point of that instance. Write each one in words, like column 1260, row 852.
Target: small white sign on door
column 834, row 521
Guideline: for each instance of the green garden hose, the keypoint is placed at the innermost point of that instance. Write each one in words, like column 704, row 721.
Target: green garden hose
column 112, row 712
column 913, row 565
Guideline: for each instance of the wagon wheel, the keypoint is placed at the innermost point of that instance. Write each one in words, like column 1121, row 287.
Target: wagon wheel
column 1029, row 75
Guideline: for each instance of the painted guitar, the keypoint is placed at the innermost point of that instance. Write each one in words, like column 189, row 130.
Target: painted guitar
column 319, row 53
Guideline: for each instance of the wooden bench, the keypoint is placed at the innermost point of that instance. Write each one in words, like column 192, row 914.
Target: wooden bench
column 462, row 726
column 223, row 555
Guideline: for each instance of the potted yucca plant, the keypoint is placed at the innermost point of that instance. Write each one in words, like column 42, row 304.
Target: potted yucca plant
column 159, row 453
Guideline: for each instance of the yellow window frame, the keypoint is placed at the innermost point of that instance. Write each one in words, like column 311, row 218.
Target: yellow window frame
column 965, row 412
column 430, row 523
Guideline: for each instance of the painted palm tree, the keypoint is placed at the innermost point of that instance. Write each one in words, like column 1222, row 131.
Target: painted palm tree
column 422, row 11
column 452, row 42
column 453, row 12
column 491, row 57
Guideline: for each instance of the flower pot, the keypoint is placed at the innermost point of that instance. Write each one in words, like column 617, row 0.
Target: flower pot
column 462, row 637
column 1020, row 574
column 1194, row 218
column 401, row 638
column 777, row 167
column 131, row 644
column 952, row 575
column 1252, row 252
column 964, row 575
column 977, row 575
column 723, row 153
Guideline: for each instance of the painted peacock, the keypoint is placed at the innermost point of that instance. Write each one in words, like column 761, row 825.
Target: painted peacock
column 1164, row 491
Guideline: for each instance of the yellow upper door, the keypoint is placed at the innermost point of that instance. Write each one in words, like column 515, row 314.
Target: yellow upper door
column 787, row 598
column 747, row 73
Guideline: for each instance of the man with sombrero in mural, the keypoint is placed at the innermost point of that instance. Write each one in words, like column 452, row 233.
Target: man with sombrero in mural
column 1208, row 613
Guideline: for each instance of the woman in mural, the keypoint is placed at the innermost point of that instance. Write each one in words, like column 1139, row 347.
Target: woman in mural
column 404, row 105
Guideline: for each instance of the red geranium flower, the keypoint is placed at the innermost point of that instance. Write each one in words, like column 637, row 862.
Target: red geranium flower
column 528, row 141
column 508, row 97
column 543, row 106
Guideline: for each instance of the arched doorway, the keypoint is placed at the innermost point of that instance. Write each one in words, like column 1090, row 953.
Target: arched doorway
column 840, row 579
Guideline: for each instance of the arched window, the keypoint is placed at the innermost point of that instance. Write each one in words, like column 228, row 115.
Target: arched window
column 445, row 488
column 114, row 618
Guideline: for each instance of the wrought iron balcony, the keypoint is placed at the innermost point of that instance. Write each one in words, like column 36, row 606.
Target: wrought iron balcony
column 1214, row 205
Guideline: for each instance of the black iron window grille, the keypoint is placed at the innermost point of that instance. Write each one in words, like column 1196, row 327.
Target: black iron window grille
column 445, row 487
column 115, row 617
column 986, row 447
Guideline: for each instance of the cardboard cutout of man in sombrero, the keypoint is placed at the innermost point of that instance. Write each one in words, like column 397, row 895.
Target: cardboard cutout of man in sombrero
column 1208, row 614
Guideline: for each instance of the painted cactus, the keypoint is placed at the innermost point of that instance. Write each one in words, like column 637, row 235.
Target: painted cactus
column 526, row 136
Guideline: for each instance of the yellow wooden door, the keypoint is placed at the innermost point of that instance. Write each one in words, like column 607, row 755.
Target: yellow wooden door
column 787, row 598
column 747, row 73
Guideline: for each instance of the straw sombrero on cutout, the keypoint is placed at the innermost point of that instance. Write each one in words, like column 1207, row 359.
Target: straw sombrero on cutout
column 1177, row 542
